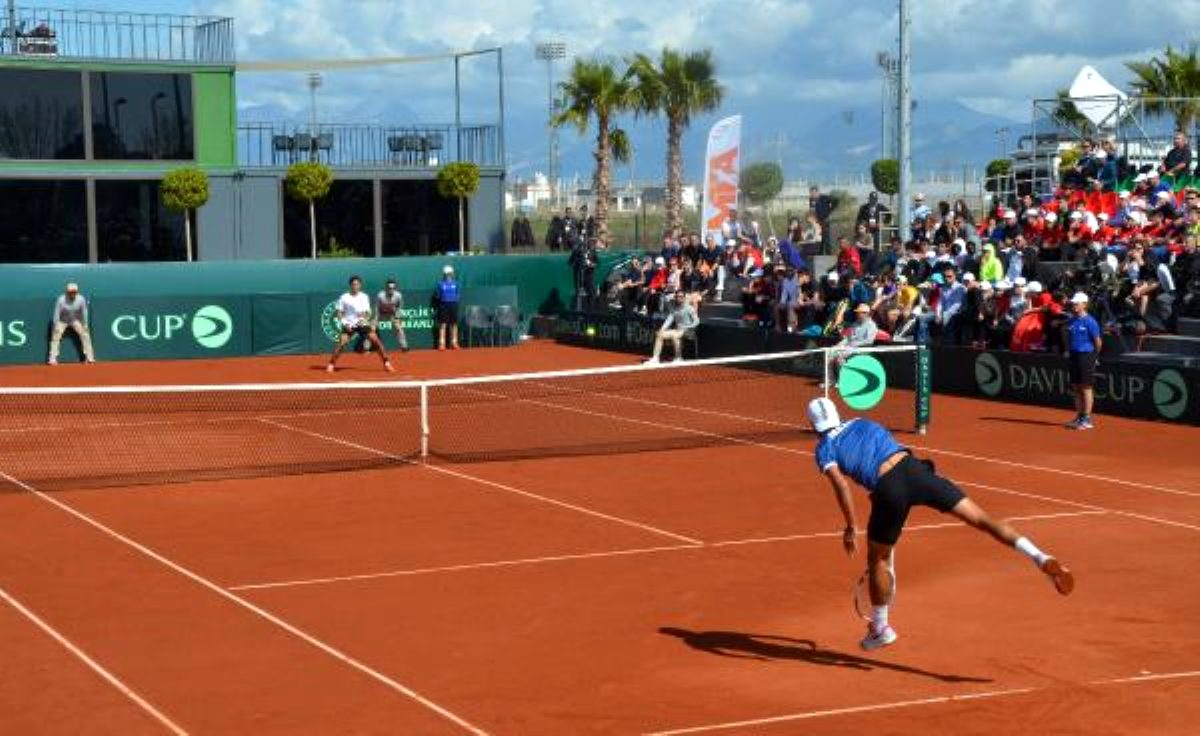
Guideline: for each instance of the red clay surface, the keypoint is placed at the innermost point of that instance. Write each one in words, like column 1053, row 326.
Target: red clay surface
column 694, row 590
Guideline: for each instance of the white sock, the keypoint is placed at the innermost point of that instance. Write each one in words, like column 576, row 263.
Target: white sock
column 1030, row 550
column 879, row 617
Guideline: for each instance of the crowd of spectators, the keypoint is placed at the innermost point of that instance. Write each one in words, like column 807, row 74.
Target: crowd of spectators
column 1128, row 242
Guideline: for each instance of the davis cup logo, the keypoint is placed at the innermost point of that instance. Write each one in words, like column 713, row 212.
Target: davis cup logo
column 212, row 326
column 1170, row 394
column 862, row 382
column 988, row 374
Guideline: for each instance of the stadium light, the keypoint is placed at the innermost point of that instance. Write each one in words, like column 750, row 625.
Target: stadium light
column 550, row 52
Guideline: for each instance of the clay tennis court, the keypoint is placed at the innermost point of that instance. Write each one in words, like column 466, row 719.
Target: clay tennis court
column 687, row 590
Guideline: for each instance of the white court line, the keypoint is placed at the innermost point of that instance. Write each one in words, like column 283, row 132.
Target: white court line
column 92, row 664
column 797, row 451
column 614, row 553
column 256, row 610
column 939, row 700
column 486, row 482
column 1023, row 466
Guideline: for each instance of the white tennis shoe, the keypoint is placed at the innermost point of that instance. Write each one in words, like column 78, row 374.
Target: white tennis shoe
column 878, row 639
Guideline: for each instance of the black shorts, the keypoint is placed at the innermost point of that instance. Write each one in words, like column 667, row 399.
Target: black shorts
column 361, row 330
column 1082, row 368
column 447, row 313
column 910, row 483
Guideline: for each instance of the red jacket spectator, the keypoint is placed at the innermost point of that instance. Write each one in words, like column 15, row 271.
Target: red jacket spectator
column 849, row 260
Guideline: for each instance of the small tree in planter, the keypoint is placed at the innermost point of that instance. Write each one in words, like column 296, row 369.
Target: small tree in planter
column 459, row 180
column 185, row 190
column 309, row 181
column 761, row 183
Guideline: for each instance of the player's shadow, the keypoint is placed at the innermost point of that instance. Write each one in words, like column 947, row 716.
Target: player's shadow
column 765, row 647
column 1021, row 420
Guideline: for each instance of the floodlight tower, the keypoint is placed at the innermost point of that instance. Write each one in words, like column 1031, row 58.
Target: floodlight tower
column 550, row 52
column 905, row 114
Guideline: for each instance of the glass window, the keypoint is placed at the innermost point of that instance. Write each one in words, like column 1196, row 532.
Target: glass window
column 141, row 116
column 43, row 221
column 345, row 222
column 417, row 221
column 41, row 114
column 133, row 225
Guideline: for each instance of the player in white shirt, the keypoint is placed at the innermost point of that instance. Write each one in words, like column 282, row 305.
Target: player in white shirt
column 354, row 318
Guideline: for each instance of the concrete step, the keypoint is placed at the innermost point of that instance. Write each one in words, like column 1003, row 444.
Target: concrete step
column 709, row 310
column 1189, row 327
column 1173, row 344
column 729, row 322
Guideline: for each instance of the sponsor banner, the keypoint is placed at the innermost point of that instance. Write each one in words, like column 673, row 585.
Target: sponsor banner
column 25, row 333
column 616, row 332
column 1124, row 389
column 171, row 327
column 722, row 165
column 279, row 324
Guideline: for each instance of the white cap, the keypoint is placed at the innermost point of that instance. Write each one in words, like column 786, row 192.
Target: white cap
column 660, row 261
column 968, row 277
column 1004, row 284
column 1164, row 195
column 1124, row 195
column 1079, row 298
column 1152, row 174
column 960, row 242
column 1033, row 212
column 901, row 279
column 1139, row 178
column 1035, row 287
column 985, row 285
column 1076, row 215
column 447, row 269
column 1051, row 217
column 1010, row 214
column 1020, row 281
column 833, row 277
column 823, row 415
column 1102, row 216
column 72, row 286
column 920, row 197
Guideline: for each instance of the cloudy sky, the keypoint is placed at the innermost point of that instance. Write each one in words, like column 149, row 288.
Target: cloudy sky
column 797, row 59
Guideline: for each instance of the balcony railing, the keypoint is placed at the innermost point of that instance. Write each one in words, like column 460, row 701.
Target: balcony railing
column 368, row 146
column 42, row 33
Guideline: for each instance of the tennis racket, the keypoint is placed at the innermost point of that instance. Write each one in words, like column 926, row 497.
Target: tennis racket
column 862, row 589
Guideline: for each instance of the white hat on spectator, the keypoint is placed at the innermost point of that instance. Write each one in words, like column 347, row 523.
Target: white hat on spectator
column 1033, row 212
column 823, row 414
column 985, row 285
column 1139, row 178
column 968, row 277
column 72, row 287
column 1079, row 298
column 920, row 197
column 1103, row 217
column 447, row 269
column 1004, row 284
column 1100, row 155
column 832, row 277
column 1164, row 195
column 1010, row 214
column 901, row 279
column 1151, row 175
column 1051, row 218
column 1020, row 281
column 960, row 242
column 1035, row 287
column 1124, row 195
column 1076, row 215
column 660, row 261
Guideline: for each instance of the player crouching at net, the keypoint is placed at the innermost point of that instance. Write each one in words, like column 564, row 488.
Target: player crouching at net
column 354, row 315
column 897, row 481
column 681, row 321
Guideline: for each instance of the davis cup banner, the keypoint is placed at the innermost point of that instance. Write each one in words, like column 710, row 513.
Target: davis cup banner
column 721, row 166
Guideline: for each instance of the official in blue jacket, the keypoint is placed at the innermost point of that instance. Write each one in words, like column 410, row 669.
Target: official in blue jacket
column 447, row 296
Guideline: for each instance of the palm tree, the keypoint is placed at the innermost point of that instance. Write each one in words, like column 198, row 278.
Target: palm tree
column 1170, row 85
column 679, row 86
column 595, row 88
column 1068, row 114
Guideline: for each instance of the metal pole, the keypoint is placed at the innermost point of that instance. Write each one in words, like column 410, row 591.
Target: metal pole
column 500, row 74
column 905, row 116
column 12, row 27
column 457, row 112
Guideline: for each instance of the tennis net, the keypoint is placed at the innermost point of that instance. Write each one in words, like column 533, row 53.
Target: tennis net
column 64, row 438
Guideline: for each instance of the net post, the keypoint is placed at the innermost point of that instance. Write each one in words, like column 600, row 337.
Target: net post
column 424, row 421
column 825, row 353
column 923, row 394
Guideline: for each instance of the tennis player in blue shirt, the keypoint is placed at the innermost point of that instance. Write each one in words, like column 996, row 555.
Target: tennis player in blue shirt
column 866, row 452
column 1083, row 345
